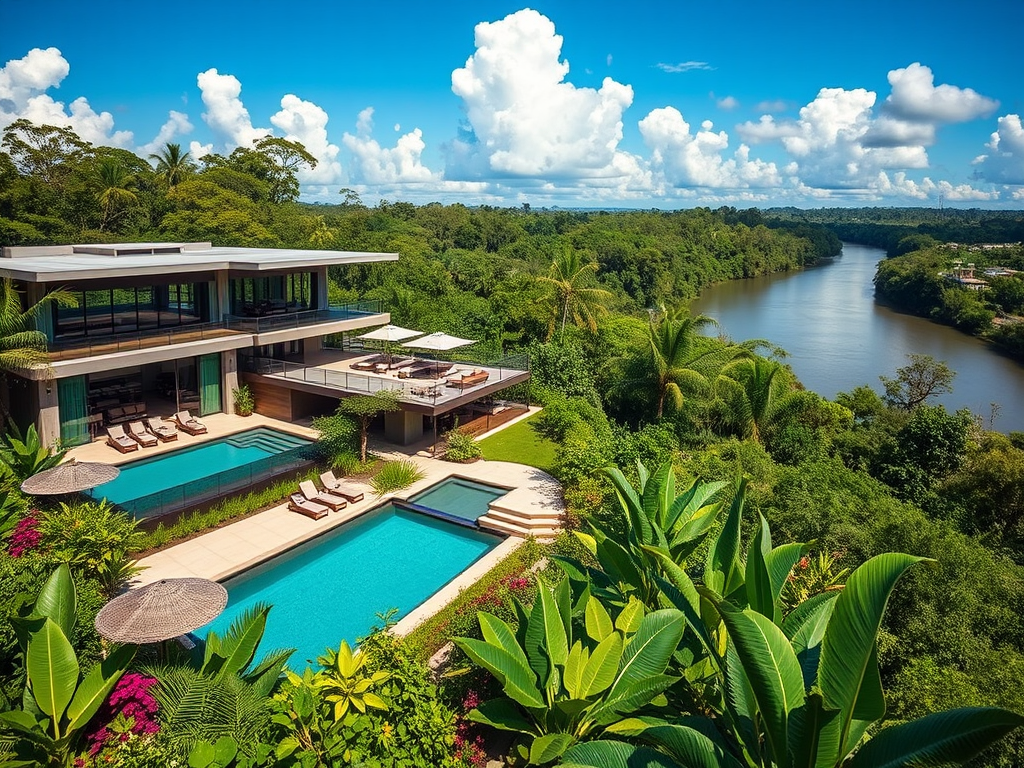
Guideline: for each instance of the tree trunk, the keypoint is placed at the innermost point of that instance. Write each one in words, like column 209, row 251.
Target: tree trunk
column 364, row 434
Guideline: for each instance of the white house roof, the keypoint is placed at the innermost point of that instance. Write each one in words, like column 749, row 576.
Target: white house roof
column 48, row 264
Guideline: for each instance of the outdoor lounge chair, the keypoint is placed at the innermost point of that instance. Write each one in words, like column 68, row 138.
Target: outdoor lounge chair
column 164, row 430
column 327, row 498
column 187, row 424
column 336, row 486
column 368, row 363
column 118, row 439
column 302, row 505
column 137, row 432
column 469, row 379
column 416, row 367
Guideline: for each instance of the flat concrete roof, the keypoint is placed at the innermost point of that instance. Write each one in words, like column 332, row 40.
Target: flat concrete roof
column 61, row 263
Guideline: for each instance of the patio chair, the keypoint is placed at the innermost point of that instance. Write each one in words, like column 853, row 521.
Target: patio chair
column 137, row 432
column 302, row 505
column 119, row 440
column 188, row 424
column 326, row 498
column 334, row 485
column 467, row 380
column 368, row 363
column 164, row 430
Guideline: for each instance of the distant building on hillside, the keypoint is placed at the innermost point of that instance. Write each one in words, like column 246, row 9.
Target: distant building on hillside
column 964, row 275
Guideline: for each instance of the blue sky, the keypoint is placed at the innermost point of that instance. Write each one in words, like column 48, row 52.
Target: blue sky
column 635, row 104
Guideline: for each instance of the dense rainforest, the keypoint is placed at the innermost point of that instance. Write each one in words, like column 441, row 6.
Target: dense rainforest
column 625, row 373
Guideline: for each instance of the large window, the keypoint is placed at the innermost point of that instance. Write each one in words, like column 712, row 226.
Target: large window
column 272, row 294
column 106, row 311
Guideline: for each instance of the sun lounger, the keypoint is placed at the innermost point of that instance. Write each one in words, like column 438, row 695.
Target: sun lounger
column 119, row 440
column 368, row 363
column 467, row 380
column 302, row 505
column 327, row 498
column 187, row 424
column 164, row 430
column 137, row 432
column 334, row 485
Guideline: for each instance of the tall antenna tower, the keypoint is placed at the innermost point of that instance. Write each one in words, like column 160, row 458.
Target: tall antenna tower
column 940, row 201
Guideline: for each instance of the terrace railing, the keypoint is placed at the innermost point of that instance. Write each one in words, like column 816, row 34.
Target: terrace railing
column 192, row 494
column 286, row 320
column 89, row 346
column 411, row 390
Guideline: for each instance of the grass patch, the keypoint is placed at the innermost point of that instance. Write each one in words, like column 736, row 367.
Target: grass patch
column 394, row 476
column 521, row 444
column 492, row 593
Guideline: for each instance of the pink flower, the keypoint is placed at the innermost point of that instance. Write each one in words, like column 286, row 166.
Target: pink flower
column 26, row 536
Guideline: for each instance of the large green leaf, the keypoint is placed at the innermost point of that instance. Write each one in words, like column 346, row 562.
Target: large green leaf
column 806, row 641
column 614, row 754
column 945, row 738
column 758, row 581
column 619, row 564
column 631, row 504
column 518, row 682
column 846, row 669
column 780, row 562
column 599, row 672
column 555, row 640
column 503, row 715
column 631, row 697
column 597, row 621
column 238, row 646
column 549, row 747
column 740, row 702
column 813, row 734
column 578, row 657
column 773, row 672
column 650, row 649
column 97, row 685
column 691, row 748
column 533, row 633
column 805, row 611
column 722, row 573
column 56, row 600
column 52, row 670
column 658, row 494
column 498, row 633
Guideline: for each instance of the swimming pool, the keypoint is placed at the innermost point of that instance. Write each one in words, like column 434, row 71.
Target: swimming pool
column 332, row 588
column 457, row 496
column 180, row 478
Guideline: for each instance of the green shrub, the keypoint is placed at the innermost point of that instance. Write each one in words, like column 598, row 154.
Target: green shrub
column 394, row 476
column 461, row 447
column 24, row 455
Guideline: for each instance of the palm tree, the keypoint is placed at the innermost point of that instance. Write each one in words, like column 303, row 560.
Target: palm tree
column 756, row 391
column 173, row 165
column 22, row 345
column 112, row 179
column 681, row 358
column 571, row 295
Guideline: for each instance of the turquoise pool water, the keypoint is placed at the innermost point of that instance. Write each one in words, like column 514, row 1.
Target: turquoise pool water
column 186, row 474
column 332, row 588
column 463, row 498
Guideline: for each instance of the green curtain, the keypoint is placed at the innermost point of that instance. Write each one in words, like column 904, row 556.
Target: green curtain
column 74, row 410
column 209, row 384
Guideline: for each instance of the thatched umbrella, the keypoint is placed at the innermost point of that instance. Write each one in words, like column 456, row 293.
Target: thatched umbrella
column 70, row 477
column 162, row 610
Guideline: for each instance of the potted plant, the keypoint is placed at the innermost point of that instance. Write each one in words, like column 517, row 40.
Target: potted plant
column 245, row 404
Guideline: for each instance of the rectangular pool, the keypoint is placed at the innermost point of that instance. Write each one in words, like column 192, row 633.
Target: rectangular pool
column 332, row 588
column 175, row 480
column 457, row 496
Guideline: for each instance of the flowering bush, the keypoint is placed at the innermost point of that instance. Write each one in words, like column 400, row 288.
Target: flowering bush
column 469, row 743
column 130, row 709
column 26, row 535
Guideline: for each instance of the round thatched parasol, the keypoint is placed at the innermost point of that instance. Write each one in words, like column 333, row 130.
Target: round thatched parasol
column 70, row 477
column 161, row 610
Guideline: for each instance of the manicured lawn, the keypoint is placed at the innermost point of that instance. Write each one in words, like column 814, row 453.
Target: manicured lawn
column 519, row 443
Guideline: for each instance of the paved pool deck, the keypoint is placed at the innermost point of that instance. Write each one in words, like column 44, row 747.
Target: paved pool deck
column 229, row 550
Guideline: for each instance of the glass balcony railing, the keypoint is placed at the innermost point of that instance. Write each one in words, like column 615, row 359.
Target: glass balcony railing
column 90, row 346
column 282, row 319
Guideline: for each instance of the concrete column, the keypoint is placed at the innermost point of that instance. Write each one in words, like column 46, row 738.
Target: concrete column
column 321, row 288
column 48, row 420
column 229, row 379
column 403, row 427
column 222, row 301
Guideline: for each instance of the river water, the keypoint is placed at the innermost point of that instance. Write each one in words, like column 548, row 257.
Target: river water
column 839, row 337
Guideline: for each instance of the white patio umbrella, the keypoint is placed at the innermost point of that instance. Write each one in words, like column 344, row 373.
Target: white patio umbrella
column 438, row 342
column 389, row 334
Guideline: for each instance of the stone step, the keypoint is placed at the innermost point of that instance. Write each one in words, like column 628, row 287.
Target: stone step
column 511, row 529
column 526, row 521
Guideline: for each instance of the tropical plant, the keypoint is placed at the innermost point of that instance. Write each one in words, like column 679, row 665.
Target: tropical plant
column 58, row 701
column 22, row 456
column 394, row 476
column 756, row 392
column 173, row 165
column 112, row 180
column 655, row 524
column 571, row 293
column 680, row 358
column 245, row 403
column 563, row 685
column 226, row 695
column 12, row 507
column 803, row 689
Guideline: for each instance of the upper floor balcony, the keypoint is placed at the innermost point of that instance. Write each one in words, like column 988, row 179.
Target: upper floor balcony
column 277, row 316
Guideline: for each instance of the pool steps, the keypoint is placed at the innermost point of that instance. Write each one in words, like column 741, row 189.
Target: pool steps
column 513, row 522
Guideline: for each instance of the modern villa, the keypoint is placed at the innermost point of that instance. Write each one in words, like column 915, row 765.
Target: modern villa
column 159, row 328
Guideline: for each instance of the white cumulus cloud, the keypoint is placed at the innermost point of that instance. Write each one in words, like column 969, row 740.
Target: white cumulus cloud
column 728, row 102
column 374, row 164
column 524, row 118
column 225, row 113
column 177, row 124
column 306, row 123
column 916, row 97
column 1005, row 160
